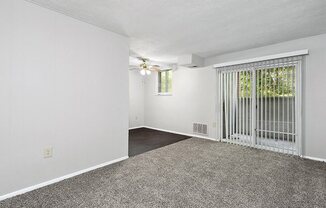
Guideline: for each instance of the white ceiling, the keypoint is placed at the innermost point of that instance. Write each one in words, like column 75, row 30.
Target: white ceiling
column 164, row 29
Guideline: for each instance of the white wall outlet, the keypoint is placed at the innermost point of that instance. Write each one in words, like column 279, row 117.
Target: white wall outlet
column 136, row 118
column 48, row 152
column 214, row 124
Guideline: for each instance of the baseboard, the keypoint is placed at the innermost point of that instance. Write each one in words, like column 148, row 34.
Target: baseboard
column 315, row 158
column 175, row 132
column 137, row 127
column 46, row 183
column 209, row 138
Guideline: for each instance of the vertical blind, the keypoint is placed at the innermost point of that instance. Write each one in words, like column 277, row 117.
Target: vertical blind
column 260, row 104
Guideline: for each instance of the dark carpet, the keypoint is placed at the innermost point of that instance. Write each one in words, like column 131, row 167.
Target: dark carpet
column 191, row 173
column 143, row 140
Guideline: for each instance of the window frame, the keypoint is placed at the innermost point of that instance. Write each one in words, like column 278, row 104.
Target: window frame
column 158, row 84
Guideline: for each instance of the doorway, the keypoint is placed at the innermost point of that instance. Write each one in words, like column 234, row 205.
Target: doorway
column 260, row 104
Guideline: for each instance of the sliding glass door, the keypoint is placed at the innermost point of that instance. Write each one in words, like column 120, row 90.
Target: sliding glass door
column 259, row 105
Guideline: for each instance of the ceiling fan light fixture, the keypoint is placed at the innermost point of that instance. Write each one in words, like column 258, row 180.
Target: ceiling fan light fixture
column 148, row 72
column 143, row 72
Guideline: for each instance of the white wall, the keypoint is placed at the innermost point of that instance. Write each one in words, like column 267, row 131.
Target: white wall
column 314, row 110
column 136, row 99
column 63, row 84
column 192, row 100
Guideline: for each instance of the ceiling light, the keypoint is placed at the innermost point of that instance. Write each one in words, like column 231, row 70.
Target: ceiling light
column 143, row 72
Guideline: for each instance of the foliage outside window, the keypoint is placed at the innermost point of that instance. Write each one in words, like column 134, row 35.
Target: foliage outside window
column 165, row 82
column 272, row 82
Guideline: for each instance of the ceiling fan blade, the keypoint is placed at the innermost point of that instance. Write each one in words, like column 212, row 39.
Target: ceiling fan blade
column 133, row 61
column 155, row 68
column 155, row 65
column 134, row 68
column 142, row 59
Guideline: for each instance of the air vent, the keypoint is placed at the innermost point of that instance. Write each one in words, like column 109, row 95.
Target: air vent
column 200, row 128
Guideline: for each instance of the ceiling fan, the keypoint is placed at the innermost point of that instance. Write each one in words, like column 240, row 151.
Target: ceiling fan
column 144, row 65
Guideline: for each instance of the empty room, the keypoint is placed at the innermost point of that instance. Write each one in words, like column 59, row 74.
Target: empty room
column 162, row 103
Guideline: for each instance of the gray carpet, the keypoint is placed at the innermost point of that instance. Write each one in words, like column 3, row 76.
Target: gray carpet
column 191, row 173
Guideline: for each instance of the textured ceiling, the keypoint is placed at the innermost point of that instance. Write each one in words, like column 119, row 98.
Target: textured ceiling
column 164, row 29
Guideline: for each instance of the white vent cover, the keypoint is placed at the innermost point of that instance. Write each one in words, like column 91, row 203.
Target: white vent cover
column 200, row 128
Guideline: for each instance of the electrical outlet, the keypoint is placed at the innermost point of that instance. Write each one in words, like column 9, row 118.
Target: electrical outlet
column 48, row 152
column 136, row 118
column 214, row 125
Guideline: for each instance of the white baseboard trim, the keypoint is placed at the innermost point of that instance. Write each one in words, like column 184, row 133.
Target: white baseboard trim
column 46, row 183
column 175, row 132
column 137, row 127
column 315, row 158
column 209, row 138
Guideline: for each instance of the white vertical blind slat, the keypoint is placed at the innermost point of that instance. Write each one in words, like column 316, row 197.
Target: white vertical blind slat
column 274, row 106
column 237, row 108
column 253, row 108
column 283, row 116
column 230, row 105
column 227, row 106
column 292, row 111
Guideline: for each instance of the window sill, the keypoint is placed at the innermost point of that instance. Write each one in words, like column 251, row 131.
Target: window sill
column 164, row 94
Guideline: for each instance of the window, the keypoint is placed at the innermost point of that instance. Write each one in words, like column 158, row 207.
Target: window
column 165, row 82
column 271, row 82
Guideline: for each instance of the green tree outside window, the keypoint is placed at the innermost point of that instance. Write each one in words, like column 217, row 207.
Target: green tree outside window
column 273, row 82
